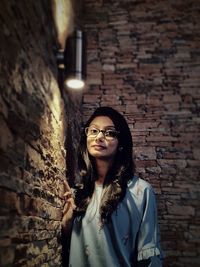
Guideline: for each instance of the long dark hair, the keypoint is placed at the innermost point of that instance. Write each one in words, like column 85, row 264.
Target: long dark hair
column 121, row 172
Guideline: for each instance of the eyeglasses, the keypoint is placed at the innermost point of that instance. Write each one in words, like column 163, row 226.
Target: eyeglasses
column 109, row 134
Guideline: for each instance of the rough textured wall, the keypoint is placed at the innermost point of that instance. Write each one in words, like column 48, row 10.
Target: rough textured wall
column 144, row 60
column 32, row 137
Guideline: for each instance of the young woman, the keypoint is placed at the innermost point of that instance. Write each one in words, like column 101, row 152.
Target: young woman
column 112, row 215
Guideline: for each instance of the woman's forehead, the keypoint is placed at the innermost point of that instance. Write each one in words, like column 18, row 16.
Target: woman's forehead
column 102, row 121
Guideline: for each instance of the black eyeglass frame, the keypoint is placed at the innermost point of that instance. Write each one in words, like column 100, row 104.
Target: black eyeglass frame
column 104, row 132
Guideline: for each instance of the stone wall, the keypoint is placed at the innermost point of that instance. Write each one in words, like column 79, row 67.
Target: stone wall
column 144, row 60
column 33, row 125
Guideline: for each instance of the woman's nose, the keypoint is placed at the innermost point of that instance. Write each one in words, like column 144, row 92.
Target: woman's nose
column 100, row 136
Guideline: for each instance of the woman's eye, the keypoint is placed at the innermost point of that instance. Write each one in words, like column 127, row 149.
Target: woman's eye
column 111, row 133
column 93, row 131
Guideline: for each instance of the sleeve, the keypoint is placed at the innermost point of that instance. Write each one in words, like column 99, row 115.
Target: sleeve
column 148, row 242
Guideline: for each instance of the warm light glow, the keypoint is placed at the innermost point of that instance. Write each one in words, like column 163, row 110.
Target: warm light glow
column 75, row 83
column 63, row 15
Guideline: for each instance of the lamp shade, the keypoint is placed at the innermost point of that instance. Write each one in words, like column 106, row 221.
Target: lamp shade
column 75, row 60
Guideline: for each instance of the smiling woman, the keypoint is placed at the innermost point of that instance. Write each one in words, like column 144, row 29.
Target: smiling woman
column 102, row 144
column 111, row 216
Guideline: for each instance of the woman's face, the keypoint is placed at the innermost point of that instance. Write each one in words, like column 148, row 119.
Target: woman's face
column 102, row 144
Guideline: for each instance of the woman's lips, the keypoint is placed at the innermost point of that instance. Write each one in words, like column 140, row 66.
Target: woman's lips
column 99, row 147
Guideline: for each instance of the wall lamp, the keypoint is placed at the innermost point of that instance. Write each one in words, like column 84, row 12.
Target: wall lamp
column 73, row 60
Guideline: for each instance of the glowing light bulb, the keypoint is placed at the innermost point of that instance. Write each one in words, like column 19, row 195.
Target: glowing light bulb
column 75, row 83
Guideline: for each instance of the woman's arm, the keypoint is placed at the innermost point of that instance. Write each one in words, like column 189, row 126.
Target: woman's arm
column 148, row 242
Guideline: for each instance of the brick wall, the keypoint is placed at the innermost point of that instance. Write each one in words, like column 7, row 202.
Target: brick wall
column 32, row 137
column 144, row 60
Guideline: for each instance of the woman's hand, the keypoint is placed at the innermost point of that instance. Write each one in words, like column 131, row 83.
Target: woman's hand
column 68, row 209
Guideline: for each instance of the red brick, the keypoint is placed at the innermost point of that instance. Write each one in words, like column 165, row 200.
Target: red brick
column 178, row 210
column 145, row 153
column 172, row 98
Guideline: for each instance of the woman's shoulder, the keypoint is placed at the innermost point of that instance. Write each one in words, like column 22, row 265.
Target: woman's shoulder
column 139, row 194
column 139, row 186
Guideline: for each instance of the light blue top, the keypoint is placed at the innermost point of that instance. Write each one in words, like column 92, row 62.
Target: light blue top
column 133, row 231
